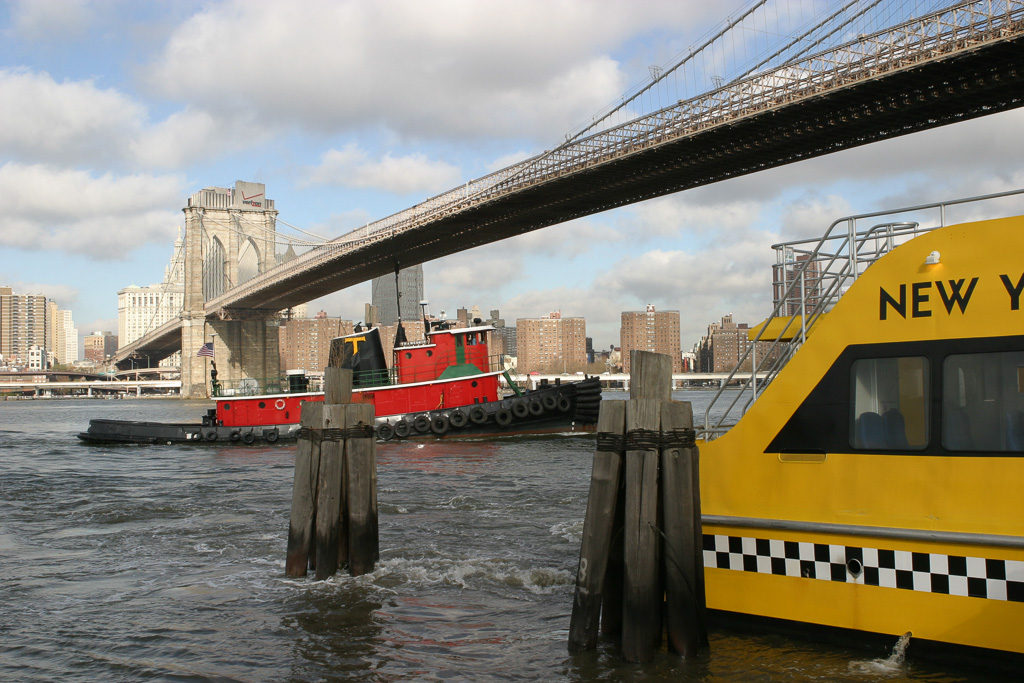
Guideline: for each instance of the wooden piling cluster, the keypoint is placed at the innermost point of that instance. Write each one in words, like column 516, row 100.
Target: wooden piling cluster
column 641, row 569
column 334, row 495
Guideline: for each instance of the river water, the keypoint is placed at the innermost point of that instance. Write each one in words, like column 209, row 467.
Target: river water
column 159, row 562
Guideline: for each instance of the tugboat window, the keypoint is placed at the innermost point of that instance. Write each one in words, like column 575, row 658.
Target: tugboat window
column 890, row 403
column 983, row 402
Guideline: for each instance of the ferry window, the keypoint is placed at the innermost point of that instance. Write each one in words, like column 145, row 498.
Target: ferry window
column 890, row 403
column 983, row 402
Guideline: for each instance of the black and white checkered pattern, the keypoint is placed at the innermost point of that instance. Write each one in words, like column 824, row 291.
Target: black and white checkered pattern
column 976, row 577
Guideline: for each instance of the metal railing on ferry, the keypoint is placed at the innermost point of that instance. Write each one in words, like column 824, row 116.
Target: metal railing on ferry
column 811, row 275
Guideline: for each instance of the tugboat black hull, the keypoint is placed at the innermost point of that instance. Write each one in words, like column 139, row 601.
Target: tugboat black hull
column 549, row 409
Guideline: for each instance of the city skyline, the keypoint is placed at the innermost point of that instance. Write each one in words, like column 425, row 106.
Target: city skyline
column 117, row 126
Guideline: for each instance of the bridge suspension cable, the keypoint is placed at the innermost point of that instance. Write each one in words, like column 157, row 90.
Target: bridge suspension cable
column 952, row 29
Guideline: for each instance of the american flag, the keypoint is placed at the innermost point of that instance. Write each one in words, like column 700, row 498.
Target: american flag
column 206, row 350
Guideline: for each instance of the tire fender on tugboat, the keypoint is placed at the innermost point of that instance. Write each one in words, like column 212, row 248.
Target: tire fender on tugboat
column 477, row 415
column 439, row 424
column 458, row 418
column 503, row 416
column 385, row 432
column 520, row 408
column 421, row 423
column 271, row 435
column 535, row 407
column 249, row 438
column 402, row 429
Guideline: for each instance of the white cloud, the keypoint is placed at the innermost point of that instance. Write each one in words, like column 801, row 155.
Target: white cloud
column 446, row 68
column 64, row 295
column 690, row 213
column 77, row 122
column 95, row 325
column 42, row 120
column 352, row 167
column 104, row 217
column 190, row 135
column 50, row 20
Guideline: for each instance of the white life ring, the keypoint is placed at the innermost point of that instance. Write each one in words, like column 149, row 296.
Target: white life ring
column 279, row 404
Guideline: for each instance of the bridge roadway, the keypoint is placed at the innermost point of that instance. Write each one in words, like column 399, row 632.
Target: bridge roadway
column 961, row 63
column 166, row 386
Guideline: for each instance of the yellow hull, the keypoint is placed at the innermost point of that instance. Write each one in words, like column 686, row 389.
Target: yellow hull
column 926, row 538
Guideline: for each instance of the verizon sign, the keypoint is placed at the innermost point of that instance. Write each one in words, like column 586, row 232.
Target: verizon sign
column 250, row 196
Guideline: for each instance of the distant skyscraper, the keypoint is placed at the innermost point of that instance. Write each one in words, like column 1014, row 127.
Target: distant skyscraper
column 143, row 309
column 384, row 296
column 551, row 344
column 305, row 343
column 24, row 323
column 99, row 346
column 650, row 330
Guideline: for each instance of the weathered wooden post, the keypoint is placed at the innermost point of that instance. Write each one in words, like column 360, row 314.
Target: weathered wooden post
column 651, row 377
column 304, row 490
column 328, row 502
column 684, row 566
column 361, row 480
column 598, row 528
column 335, row 493
column 641, row 539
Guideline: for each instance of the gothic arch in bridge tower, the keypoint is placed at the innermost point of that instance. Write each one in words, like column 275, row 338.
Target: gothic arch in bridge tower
column 215, row 268
column 250, row 264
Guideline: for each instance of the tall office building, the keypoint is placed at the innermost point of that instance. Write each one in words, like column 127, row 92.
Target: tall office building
column 24, row 323
column 305, row 343
column 651, row 330
column 726, row 342
column 62, row 335
column 67, row 331
column 384, row 295
column 143, row 309
column 99, row 346
column 803, row 287
column 551, row 345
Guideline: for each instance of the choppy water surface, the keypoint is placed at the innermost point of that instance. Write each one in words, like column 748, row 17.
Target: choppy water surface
column 165, row 562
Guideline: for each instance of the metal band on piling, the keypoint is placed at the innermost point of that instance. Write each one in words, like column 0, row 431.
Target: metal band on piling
column 642, row 440
column 359, row 431
column 610, row 443
column 680, row 437
column 311, row 433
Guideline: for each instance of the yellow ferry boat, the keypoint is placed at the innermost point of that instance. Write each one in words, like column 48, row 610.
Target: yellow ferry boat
column 876, row 482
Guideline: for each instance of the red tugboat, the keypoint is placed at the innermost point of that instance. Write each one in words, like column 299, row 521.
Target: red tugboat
column 442, row 386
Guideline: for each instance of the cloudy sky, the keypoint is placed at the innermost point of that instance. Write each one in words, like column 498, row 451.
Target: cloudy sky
column 113, row 112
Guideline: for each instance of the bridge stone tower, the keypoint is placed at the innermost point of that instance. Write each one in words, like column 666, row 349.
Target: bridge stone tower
column 229, row 238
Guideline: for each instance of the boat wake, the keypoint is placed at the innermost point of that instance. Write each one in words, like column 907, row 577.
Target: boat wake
column 891, row 666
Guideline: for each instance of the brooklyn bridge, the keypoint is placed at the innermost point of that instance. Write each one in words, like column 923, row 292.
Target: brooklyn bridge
column 818, row 96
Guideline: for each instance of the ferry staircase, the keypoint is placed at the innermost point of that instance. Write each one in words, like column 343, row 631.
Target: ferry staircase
column 810, row 277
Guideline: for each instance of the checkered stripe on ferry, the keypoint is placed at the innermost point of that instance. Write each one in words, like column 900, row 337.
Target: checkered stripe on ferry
column 976, row 577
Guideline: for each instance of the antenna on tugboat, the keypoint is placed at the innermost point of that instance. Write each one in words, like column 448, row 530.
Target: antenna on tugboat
column 400, row 332
column 426, row 321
